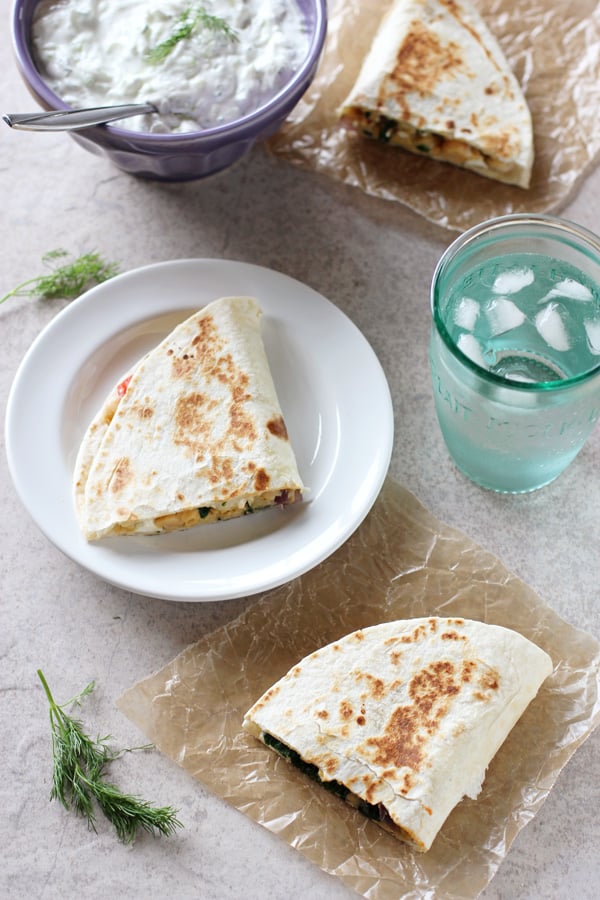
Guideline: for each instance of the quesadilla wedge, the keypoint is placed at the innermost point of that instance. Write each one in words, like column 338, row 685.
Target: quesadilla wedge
column 402, row 719
column 436, row 82
column 194, row 433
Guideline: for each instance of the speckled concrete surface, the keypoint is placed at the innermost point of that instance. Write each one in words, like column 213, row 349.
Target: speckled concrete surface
column 373, row 260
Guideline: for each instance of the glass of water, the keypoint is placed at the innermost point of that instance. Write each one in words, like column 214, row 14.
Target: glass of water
column 515, row 348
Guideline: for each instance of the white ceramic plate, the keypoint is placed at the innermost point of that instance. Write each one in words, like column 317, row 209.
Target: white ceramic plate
column 335, row 401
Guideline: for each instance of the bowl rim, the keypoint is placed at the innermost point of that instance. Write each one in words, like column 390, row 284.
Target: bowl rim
column 250, row 124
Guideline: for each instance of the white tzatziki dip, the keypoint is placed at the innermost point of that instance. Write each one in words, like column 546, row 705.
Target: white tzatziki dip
column 237, row 55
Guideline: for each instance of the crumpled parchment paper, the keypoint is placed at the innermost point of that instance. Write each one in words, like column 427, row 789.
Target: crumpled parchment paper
column 554, row 51
column 402, row 562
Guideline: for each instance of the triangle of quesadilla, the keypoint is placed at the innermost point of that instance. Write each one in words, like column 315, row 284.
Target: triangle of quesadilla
column 402, row 719
column 436, row 82
column 193, row 434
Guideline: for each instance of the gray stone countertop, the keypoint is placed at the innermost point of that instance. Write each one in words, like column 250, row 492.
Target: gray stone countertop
column 374, row 261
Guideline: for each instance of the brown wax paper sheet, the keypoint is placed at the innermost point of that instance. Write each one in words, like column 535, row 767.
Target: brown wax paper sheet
column 402, row 562
column 553, row 49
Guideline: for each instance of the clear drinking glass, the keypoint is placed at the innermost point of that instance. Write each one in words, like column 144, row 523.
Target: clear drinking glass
column 515, row 348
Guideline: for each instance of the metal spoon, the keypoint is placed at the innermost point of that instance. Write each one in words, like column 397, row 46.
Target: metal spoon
column 74, row 119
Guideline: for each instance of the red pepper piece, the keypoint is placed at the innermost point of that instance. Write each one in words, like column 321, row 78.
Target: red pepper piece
column 122, row 388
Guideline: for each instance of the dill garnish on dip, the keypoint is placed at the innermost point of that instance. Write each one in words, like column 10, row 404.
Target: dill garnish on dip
column 188, row 21
column 202, row 65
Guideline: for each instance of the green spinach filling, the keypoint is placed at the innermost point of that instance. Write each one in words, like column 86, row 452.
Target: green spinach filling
column 371, row 810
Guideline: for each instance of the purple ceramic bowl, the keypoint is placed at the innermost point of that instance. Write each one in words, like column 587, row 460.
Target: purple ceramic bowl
column 177, row 157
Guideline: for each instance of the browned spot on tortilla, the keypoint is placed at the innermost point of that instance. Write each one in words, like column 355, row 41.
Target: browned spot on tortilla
column 190, row 422
column 375, row 686
column 241, row 424
column 455, row 10
column 430, row 685
column 422, row 61
column 183, row 366
column 322, row 714
column 345, row 710
column 417, row 634
column 330, row 765
column 360, row 720
column 146, row 412
column 489, row 680
column 452, row 636
column 272, row 692
column 193, row 429
column 206, row 342
column 371, row 786
column 467, row 669
column 277, row 427
column 121, row 475
column 221, row 470
column 261, row 480
column 407, row 783
column 199, row 418
column 404, row 740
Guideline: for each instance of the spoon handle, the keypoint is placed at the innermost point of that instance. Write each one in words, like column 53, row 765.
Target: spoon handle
column 73, row 119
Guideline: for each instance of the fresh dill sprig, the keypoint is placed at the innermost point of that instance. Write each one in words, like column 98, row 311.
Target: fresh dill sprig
column 187, row 22
column 67, row 280
column 79, row 782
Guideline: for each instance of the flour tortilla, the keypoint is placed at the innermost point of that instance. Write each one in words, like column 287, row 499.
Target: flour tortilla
column 192, row 434
column 436, row 83
column 407, row 715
